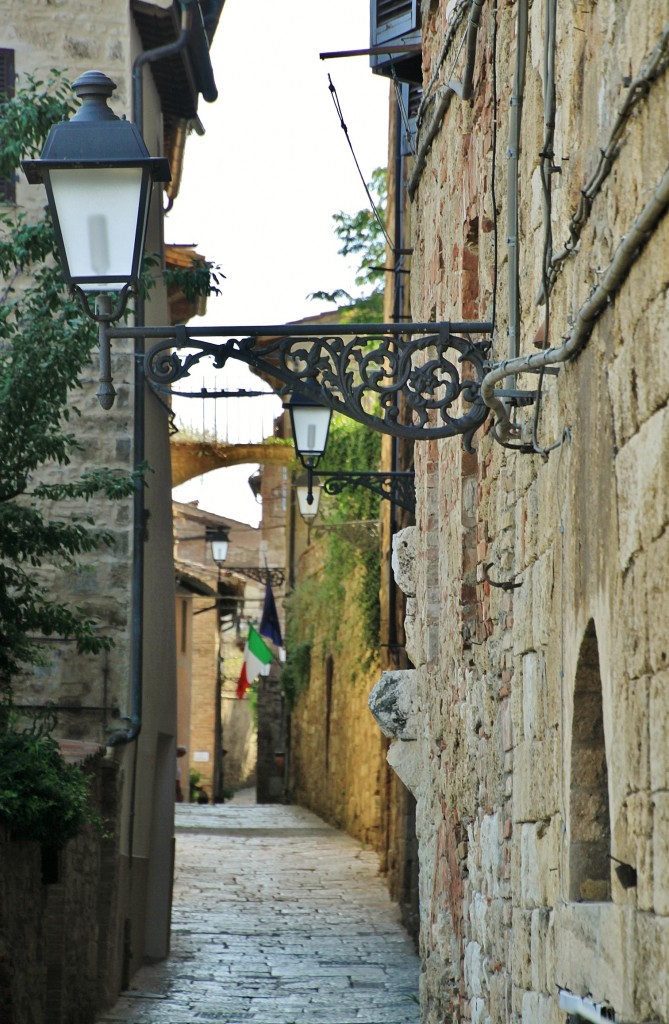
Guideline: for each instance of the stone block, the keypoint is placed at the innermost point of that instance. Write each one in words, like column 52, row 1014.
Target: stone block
column 658, row 722
column 541, row 1009
column 405, row 760
column 533, row 761
column 393, row 703
column 661, row 852
column 539, row 863
column 594, row 946
column 651, row 957
column 534, row 695
column 642, row 482
column 404, row 565
column 521, row 949
column 653, row 614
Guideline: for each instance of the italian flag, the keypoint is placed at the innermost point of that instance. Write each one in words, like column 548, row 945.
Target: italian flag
column 257, row 657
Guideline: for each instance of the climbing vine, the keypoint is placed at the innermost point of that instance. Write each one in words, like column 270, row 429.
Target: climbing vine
column 350, row 573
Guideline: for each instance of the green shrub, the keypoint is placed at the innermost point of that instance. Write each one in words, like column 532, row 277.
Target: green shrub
column 42, row 798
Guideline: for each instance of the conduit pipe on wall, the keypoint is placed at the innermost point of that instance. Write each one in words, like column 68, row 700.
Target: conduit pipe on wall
column 453, row 88
column 515, row 116
column 624, row 258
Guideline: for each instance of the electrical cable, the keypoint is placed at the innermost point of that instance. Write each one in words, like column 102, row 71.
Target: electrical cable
column 404, row 114
column 546, row 166
column 654, row 65
column 454, row 24
column 340, row 115
column 627, row 252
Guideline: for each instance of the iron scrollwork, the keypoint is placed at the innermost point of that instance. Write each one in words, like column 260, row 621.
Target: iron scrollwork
column 393, row 486
column 276, row 577
column 361, row 370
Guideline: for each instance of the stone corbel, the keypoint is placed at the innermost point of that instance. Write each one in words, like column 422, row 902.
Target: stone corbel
column 404, row 564
column 394, row 707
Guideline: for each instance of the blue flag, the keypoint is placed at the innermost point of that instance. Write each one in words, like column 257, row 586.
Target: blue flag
column 269, row 623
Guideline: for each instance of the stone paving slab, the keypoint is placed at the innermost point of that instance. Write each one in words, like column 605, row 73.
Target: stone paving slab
column 277, row 919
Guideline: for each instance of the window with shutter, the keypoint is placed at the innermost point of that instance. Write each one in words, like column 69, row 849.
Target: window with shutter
column 411, row 97
column 7, row 185
column 396, row 22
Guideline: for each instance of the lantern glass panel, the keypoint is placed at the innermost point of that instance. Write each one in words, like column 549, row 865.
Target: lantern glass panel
column 98, row 214
column 310, row 427
column 219, row 550
column 308, row 511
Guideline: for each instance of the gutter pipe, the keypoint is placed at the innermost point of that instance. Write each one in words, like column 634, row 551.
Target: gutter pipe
column 515, row 114
column 129, row 734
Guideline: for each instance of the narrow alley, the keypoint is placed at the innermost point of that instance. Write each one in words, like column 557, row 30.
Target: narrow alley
column 278, row 919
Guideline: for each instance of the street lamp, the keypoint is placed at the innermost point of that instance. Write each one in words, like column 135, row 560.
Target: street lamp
column 310, row 424
column 219, row 539
column 308, row 490
column 98, row 174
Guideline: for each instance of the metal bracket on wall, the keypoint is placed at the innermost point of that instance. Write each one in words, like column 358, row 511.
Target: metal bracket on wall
column 368, row 372
column 277, row 577
column 397, row 487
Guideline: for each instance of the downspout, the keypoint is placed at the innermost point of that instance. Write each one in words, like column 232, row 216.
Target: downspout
column 624, row 258
column 397, row 317
column 129, row 734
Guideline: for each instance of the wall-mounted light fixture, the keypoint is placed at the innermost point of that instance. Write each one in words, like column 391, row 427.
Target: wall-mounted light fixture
column 98, row 175
column 310, row 423
column 402, row 368
column 218, row 539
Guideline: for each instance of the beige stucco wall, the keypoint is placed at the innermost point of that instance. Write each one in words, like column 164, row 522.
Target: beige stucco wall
column 582, row 530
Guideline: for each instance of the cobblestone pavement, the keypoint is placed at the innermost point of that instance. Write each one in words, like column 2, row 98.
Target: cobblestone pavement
column 277, row 918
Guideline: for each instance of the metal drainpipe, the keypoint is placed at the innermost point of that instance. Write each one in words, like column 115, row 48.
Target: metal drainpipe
column 397, row 316
column 131, row 733
column 515, row 114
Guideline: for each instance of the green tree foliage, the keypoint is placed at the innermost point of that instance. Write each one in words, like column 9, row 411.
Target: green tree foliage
column 45, row 342
column 42, row 798
column 362, row 235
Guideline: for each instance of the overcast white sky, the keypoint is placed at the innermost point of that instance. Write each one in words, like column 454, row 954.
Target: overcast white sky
column 260, row 189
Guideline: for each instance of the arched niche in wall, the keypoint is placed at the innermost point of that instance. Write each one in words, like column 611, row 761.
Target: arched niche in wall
column 590, row 824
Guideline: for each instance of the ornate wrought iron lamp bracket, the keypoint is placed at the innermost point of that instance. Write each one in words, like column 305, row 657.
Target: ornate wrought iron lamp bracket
column 397, row 487
column 275, row 575
column 368, row 372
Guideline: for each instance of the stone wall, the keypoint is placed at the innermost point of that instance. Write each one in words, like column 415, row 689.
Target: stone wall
column 337, row 750
column 540, row 701
column 58, row 960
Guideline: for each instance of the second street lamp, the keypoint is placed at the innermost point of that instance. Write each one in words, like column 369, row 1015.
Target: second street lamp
column 310, row 423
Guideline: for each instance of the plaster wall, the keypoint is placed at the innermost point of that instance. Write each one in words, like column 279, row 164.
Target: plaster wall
column 580, row 531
